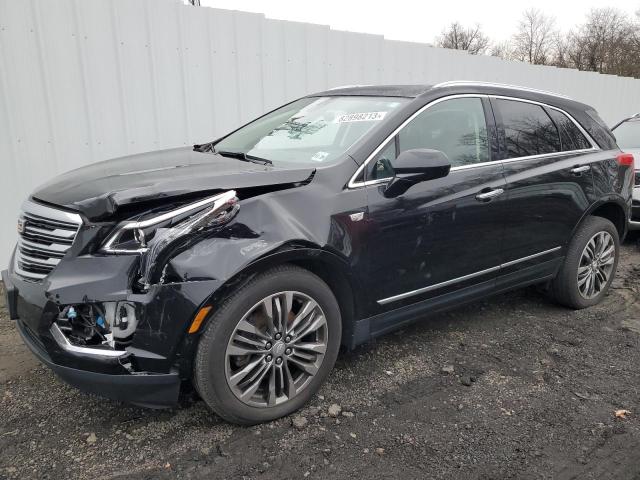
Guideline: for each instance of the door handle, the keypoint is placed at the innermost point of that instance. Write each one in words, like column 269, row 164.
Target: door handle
column 582, row 169
column 490, row 195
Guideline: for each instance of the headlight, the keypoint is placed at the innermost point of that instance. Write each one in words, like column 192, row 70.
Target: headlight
column 157, row 232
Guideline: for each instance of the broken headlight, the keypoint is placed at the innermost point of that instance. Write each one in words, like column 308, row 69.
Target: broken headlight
column 155, row 232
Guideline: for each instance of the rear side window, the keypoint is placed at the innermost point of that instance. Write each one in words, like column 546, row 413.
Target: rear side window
column 528, row 129
column 571, row 137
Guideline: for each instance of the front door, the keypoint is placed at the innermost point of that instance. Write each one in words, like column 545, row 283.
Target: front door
column 444, row 234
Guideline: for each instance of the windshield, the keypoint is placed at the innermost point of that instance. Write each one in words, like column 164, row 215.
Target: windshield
column 628, row 134
column 309, row 130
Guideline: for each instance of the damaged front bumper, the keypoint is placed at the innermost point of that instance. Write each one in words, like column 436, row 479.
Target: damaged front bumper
column 150, row 370
column 146, row 390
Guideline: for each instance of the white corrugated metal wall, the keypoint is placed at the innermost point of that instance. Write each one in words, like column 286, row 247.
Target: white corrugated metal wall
column 86, row 80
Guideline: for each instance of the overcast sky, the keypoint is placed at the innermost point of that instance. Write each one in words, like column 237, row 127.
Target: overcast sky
column 420, row 20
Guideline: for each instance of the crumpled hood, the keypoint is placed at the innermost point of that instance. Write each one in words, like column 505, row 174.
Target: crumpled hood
column 100, row 189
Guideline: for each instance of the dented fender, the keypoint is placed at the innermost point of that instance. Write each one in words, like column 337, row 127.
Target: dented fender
column 265, row 226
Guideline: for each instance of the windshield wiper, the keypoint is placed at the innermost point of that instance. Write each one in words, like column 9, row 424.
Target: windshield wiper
column 243, row 156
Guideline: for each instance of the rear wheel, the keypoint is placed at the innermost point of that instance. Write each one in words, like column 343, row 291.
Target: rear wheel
column 269, row 347
column 589, row 266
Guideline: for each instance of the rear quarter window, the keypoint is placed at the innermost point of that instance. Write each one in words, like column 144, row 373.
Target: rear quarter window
column 571, row 138
column 595, row 126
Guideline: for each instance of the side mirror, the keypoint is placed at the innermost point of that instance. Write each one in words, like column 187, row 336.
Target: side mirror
column 415, row 166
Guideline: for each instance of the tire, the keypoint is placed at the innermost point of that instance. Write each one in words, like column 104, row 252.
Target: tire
column 566, row 288
column 244, row 317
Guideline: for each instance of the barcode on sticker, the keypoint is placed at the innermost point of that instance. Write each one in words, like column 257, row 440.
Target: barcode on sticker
column 361, row 117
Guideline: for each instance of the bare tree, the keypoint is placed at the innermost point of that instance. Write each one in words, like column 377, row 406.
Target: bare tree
column 458, row 37
column 533, row 41
column 606, row 43
column 501, row 50
column 561, row 49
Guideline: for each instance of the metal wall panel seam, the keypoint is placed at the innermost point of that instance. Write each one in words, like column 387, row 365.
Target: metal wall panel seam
column 123, row 100
column 47, row 90
column 211, row 45
column 9, row 164
column 90, row 114
column 152, row 74
column 183, row 73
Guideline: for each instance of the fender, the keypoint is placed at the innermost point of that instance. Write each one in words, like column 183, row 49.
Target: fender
column 292, row 252
column 612, row 199
column 351, row 299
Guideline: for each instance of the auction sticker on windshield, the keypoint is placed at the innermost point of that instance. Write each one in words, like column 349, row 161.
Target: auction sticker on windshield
column 361, row 117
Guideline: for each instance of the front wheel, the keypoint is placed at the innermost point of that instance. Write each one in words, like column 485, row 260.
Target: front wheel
column 269, row 347
column 589, row 266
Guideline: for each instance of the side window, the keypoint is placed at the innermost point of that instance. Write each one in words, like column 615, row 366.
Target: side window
column 570, row 135
column 381, row 166
column 528, row 129
column 456, row 127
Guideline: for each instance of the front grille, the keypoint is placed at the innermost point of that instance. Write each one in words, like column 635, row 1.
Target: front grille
column 45, row 236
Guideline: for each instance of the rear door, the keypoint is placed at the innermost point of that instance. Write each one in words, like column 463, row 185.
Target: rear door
column 547, row 165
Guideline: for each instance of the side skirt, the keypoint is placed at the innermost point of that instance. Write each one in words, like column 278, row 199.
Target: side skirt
column 368, row 328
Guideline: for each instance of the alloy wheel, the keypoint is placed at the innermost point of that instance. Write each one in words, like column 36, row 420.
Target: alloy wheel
column 276, row 349
column 596, row 264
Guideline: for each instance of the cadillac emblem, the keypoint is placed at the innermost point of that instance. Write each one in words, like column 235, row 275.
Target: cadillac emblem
column 22, row 223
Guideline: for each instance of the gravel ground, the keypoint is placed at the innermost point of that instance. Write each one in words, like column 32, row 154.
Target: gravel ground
column 513, row 387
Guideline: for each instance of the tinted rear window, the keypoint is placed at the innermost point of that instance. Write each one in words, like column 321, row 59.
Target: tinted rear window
column 528, row 129
column 570, row 135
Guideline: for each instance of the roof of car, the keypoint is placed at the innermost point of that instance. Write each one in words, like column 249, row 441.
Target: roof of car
column 412, row 91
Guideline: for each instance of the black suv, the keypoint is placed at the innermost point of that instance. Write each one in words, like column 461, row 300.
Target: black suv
column 242, row 265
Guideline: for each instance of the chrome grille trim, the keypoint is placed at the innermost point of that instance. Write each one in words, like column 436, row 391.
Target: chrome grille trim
column 47, row 236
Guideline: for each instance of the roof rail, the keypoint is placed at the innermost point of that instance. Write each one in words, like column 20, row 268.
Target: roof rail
column 348, row 86
column 462, row 83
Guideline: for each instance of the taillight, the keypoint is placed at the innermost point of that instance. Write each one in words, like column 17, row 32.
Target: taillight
column 625, row 159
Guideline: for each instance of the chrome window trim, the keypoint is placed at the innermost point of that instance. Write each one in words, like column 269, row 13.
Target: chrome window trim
column 594, row 146
column 452, row 281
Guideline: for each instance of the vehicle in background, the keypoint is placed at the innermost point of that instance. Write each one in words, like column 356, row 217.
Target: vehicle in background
column 242, row 265
column 627, row 133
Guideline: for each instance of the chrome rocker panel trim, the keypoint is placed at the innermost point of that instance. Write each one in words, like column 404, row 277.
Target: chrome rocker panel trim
column 429, row 288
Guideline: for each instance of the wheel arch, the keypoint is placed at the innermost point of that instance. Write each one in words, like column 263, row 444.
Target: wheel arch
column 330, row 267
column 611, row 208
